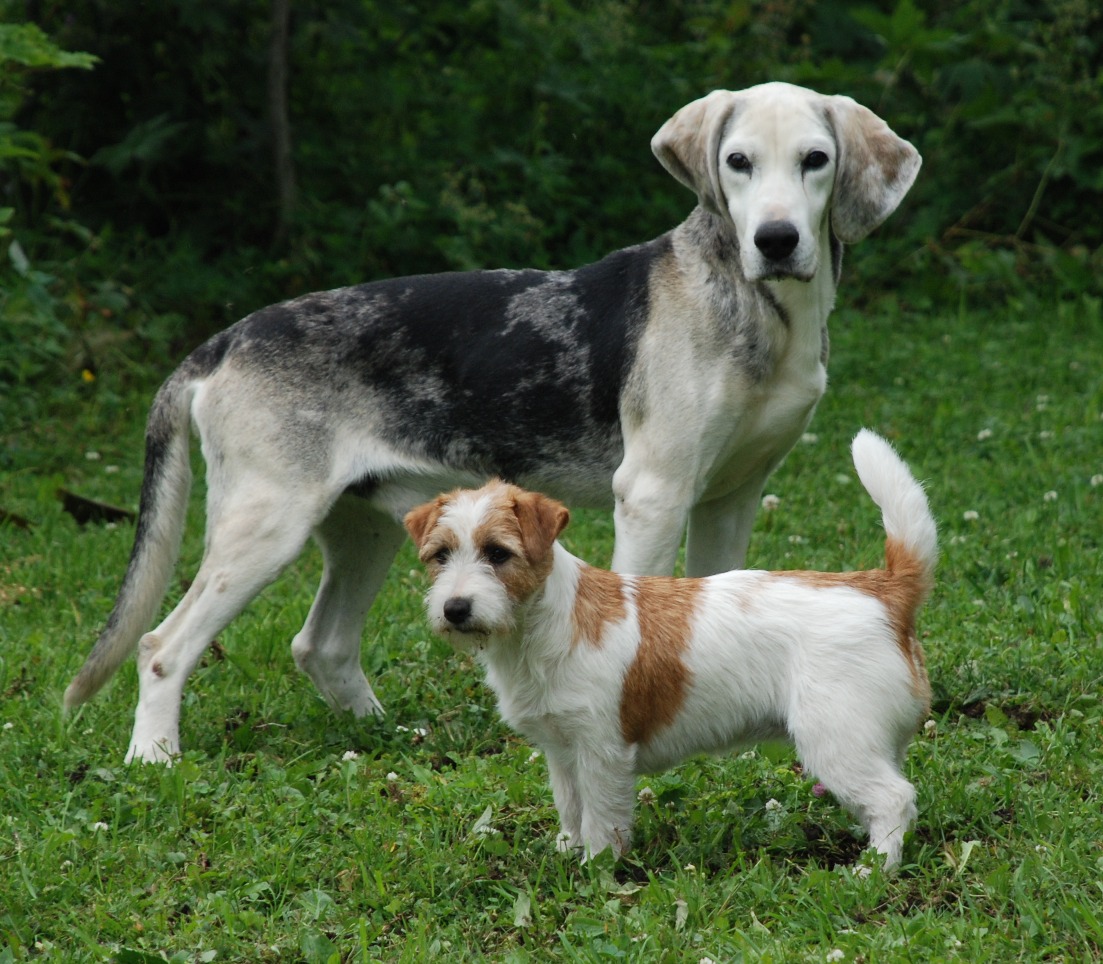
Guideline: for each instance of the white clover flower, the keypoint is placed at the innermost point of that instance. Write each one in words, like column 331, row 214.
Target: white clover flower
column 1096, row 481
column 392, row 777
column 773, row 805
column 809, row 438
column 9, row 726
column 99, row 825
column 770, row 502
column 533, row 756
column 1050, row 496
column 930, row 728
column 970, row 515
column 350, row 755
column 111, row 469
column 690, row 869
column 836, row 955
column 796, row 540
column 1046, row 435
column 984, row 434
column 646, row 795
column 93, row 456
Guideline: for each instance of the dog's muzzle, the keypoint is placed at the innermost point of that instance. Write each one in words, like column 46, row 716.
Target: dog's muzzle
column 457, row 611
column 777, row 240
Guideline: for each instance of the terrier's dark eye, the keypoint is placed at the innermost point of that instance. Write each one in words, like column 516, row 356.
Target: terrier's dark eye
column 497, row 555
column 440, row 557
column 815, row 160
column 739, row 162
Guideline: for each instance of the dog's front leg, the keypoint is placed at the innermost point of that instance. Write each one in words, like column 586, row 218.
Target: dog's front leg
column 650, row 517
column 720, row 530
column 606, row 784
column 563, row 776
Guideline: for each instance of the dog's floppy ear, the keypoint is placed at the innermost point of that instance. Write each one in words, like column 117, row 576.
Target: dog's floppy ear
column 687, row 146
column 875, row 169
column 541, row 520
column 420, row 521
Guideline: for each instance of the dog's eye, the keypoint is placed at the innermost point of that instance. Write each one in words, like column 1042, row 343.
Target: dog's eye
column 739, row 162
column 815, row 161
column 440, row 557
column 497, row 555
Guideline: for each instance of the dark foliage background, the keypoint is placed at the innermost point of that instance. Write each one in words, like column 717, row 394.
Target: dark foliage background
column 139, row 204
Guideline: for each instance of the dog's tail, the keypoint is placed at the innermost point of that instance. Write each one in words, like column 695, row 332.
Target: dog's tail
column 157, row 537
column 911, row 544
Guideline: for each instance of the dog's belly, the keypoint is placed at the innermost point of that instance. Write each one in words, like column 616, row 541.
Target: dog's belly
column 707, row 735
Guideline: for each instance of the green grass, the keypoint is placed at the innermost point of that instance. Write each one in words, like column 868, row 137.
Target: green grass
column 287, row 834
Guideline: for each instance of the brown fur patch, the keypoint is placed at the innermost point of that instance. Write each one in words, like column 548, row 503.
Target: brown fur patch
column 435, row 540
column 526, row 524
column 901, row 587
column 655, row 684
column 599, row 599
column 420, row 520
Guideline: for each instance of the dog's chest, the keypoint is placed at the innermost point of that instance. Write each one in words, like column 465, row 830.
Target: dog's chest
column 773, row 415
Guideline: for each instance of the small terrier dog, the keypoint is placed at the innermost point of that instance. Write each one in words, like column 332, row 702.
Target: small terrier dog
column 613, row 676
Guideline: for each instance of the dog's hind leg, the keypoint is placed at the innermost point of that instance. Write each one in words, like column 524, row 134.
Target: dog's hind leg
column 865, row 778
column 250, row 539
column 358, row 545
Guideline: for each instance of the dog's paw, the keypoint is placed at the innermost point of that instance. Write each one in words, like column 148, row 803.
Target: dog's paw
column 616, row 840
column 163, row 751
column 565, row 843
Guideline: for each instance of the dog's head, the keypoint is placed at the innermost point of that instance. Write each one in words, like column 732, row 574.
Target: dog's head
column 487, row 551
column 778, row 161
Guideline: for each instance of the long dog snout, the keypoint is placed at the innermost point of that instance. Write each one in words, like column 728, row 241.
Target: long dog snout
column 776, row 239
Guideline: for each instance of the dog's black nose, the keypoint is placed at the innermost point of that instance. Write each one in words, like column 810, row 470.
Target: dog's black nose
column 457, row 610
column 776, row 239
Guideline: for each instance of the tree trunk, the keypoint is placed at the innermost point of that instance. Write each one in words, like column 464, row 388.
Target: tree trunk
column 278, row 117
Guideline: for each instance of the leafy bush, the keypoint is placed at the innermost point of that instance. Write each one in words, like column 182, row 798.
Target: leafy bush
column 502, row 132
column 33, row 334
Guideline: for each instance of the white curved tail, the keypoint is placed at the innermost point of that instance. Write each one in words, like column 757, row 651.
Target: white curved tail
column 912, row 537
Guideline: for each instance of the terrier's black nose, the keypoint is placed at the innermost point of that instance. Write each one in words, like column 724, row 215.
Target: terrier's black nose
column 776, row 239
column 457, row 610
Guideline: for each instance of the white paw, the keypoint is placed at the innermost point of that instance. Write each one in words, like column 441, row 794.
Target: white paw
column 564, row 843
column 153, row 751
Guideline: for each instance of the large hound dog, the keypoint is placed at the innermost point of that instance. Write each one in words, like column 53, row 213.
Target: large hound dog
column 668, row 379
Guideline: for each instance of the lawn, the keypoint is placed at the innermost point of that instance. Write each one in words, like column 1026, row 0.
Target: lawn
column 287, row 834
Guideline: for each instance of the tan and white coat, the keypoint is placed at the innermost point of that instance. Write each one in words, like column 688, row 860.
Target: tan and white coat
column 613, row 676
